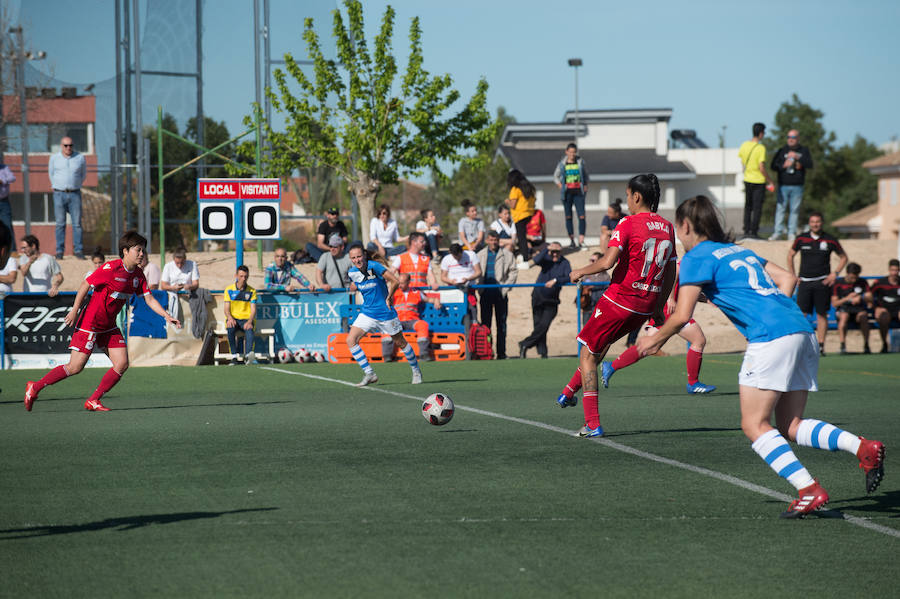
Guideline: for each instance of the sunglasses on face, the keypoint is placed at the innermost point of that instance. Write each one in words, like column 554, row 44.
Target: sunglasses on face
column 67, row 145
column 792, row 137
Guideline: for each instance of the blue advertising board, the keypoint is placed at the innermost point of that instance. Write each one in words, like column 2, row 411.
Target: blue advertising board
column 301, row 320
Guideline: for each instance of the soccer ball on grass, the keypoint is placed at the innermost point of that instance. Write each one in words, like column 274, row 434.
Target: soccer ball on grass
column 285, row 355
column 438, row 409
column 302, row 355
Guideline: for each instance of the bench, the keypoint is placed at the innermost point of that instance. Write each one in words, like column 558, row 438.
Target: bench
column 222, row 353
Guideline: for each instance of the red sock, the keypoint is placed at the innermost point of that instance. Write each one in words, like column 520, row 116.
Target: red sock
column 573, row 385
column 628, row 357
column 108, row 381
column 591, row 409
column 694, row 359
column 52, row 377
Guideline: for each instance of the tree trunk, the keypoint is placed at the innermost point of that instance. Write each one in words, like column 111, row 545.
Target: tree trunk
column 366, row 189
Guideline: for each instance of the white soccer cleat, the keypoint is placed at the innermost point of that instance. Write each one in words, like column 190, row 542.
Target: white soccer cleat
column 368, row 378
column 417, row 377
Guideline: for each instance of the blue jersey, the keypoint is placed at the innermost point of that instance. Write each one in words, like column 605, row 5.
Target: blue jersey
column 734, row 279
column 374, row 291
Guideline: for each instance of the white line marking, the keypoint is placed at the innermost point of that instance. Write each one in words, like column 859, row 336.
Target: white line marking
column 733, row 480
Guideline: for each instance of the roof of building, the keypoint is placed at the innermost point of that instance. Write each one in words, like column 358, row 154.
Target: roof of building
column 866, row 217
column 538, row 164
column 888, row 160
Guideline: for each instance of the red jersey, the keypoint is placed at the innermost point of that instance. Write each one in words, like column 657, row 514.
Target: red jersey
column 112, row 285
column 646, row 243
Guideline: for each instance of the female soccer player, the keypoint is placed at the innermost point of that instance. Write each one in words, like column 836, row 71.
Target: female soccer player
column 643, row 245
column 782, row 357
column 95, row 327
column 377, row 284
column 691, row 332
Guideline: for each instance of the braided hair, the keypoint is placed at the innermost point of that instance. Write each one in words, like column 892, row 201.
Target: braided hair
column 648, row 186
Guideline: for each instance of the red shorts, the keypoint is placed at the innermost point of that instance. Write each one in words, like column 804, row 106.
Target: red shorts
column 607, row 324
column 85, row 342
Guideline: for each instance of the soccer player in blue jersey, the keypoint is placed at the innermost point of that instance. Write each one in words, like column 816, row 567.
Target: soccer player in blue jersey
column 377, row 284
column 782, row 357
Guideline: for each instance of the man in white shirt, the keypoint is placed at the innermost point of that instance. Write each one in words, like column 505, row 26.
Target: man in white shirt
column 460, row 267
column 178, row 275
column 40, row 271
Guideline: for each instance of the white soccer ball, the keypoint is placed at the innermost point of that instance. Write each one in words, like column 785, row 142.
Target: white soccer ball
column 285, row 355
column 318, row 357
column 438, row 409
column 302, row 355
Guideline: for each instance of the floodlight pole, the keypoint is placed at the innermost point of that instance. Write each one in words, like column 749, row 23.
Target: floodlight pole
column 575, row 63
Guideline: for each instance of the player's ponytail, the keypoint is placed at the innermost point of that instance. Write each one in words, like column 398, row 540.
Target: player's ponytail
column 704, row 218
column 648, row 186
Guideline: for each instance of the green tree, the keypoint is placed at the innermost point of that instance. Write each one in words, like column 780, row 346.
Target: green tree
column 355, row 117
column 837, row 184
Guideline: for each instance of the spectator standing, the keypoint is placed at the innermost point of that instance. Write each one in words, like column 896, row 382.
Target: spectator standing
column 571, row 177
column 280, row 273
column 333, row 268
column 555, row 272
column 432, row 230
column 67, row 170
column 40, row 272
column 384, row 236
column 498, row 266
column 416, row 263
column 240, row 313
column 505, row 228
column 406, row 302
column 471, row 228
column 756, row 180
column 151, row 272
column 816, row 277
column 521, row 204
column 851, row 299
column 332, row 225
column 791, row 162
column 6, row 177
column 886, row 295
column 460, row 267
column 610, row 220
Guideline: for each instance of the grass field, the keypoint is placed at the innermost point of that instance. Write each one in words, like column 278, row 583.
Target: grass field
column 282, row 482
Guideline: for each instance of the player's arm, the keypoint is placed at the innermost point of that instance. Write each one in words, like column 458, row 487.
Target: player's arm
column 790, row 260
column 392, row 283
column 610, row 257
column 784, row 280
column 832, row 276
column 156, row 307
column 684, row 310
column 76, row 305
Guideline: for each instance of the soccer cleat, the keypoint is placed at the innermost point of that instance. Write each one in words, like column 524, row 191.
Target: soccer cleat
column 699, row 387
column 811, row 498
column 368, row 378
column 417, row 377
column 606, row 372
column 566, row 402
column 94, row 405
column 30, row 395
column 871, row 460
column 587, row 431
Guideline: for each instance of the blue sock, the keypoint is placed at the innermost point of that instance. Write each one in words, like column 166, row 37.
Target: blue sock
column 360, row 358
column 411, row 356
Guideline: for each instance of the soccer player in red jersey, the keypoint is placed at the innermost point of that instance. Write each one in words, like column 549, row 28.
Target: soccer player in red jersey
column 643, row 248
column 95, row 326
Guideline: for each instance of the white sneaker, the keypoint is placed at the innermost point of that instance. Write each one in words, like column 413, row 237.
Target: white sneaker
column 523, row 266
column 775, row 237
column 519, row 259
column 368, row 378
column 417, row 377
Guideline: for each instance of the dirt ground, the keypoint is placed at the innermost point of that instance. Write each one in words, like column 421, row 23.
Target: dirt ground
column 217, row 272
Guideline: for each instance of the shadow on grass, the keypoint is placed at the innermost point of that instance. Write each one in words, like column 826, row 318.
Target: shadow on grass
column 205, row 405
column 436, row 381
column 882, row 503
column 671, row 430
column 124, row 523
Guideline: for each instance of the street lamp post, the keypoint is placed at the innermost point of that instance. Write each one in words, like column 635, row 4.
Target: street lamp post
column 575, row 63
column 20, row 57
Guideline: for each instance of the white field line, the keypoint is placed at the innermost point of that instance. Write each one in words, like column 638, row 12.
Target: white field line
column 738, row 482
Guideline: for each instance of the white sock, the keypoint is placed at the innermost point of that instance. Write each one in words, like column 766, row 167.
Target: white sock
column 773, row 448
column 822, row 435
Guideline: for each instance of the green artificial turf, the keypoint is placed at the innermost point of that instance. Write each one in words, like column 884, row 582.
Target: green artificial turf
column 256, row 481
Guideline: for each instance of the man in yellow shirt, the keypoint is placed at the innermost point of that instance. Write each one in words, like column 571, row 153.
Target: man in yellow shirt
column 240, row 312
column 756, row 180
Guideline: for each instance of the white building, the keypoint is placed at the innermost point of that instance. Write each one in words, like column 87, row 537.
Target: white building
column 616, row 145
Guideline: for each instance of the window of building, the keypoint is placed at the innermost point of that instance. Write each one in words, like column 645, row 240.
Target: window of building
column 44, row 138
column 41, row 208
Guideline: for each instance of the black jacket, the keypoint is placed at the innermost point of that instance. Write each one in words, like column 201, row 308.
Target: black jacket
column 790, row 175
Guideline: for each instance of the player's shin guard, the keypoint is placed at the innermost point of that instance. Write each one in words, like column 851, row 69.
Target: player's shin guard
column 591, row 409
column 628, row 357
column 410, row 356
column 360, row 357
column 774, row 449
column 822, row 435
column 52, row 377
column 573, row 385
column 694, row 360
column 108, row 381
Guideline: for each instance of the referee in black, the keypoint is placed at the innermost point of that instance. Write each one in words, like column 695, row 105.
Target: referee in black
column 816, row 277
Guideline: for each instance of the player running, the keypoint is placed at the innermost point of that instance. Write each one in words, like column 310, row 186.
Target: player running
column 782, row 358
column 377, row 284
column 95, row 326
column 643, row 248
column 691, row 332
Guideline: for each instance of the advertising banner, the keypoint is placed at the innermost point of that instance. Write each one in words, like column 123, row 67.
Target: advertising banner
column 301, row 320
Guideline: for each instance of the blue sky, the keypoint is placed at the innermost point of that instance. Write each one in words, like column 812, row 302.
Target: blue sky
column 713, row 62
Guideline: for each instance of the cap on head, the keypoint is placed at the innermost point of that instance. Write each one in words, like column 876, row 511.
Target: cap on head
column 335, row 241
column 333, row 210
